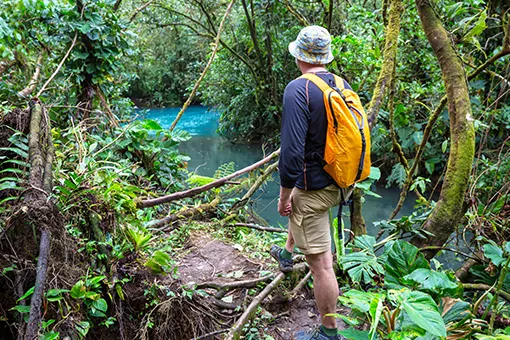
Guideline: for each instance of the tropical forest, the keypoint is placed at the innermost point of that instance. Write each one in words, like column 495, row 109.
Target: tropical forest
column 139, row 170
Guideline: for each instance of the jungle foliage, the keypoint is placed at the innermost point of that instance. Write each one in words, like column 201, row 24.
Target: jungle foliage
column 82, row 65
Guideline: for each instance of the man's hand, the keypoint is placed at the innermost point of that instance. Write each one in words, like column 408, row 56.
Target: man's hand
column 285, row 202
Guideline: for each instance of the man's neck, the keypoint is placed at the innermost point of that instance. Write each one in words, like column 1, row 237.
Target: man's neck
column 313, row 69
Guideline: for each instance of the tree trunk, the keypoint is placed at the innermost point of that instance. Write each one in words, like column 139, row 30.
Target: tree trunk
column 449, row 209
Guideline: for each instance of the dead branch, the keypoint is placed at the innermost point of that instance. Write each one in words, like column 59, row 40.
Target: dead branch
column 109, row 112
column 463, row 272
column 260, row 180
column 139, row 9
column 206, row 69
column 208, row 335
column 163, row 224
column 195, row 191
column 235, row 331
column 41, row 91
column 258, row 227
column 300, row 17
column 36, row 179
column 484, row 287
column 35, row 153
column 236, row 284
column 27, row 91
column 300, row 285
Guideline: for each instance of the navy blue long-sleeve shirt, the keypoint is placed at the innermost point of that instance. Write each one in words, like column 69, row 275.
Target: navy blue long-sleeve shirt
column 303, row 135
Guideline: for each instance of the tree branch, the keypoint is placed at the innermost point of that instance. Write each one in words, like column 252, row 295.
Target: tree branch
column 195, row 191
column 204, row 72
column 27, row 91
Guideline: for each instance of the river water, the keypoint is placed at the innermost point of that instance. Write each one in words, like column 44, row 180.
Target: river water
column 208, row 151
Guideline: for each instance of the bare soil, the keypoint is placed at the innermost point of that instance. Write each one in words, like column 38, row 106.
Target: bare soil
column 212, row 260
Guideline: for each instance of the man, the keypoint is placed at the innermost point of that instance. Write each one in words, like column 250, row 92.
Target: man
column 307, row 191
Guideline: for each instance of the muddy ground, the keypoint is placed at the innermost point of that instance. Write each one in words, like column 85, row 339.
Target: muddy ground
column 209, row 260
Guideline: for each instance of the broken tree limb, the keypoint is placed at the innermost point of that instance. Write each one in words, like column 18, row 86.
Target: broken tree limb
column 484, row 287
column 235, row 331
column 163, row 224
column 27, row 91
column 195, row 191
column 235, row 284
column 37, row 180
column 258, row 227
column 300, row 285
column 41, row 91
column 258, row 182
column 34, row 318
column 206, row 69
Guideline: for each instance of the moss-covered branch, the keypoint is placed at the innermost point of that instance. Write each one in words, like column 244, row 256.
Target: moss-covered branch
column 389, row 61
column 449, row 209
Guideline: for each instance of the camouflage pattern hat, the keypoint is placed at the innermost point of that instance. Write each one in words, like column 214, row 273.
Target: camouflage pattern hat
column 313, row 46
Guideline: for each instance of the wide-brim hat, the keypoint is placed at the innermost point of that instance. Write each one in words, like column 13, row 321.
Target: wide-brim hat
column 313, row 46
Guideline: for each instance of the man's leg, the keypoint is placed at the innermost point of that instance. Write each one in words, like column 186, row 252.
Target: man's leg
column 289, row 245
column 325, row 286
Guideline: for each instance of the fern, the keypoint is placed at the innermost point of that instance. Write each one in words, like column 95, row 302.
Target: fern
column 398, row 175
column 13, row 171
column 197, row 180
column 225, row 170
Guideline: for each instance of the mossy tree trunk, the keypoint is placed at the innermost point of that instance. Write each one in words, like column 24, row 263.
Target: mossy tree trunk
column 384, row 81
column 450, row 207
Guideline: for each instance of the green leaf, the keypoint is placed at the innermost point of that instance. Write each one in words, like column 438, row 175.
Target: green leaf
column 456, row 312
column 434, row 282
column 51, row 335
column 422, row 310
column 27, row 294
column 150, row 124
column 493, row 252
column 376, row 307
column 100, row 304
column 358, row 300
column 444, row 145
column 478, row 28
column 403, row 259
column 45, row 324
column 21, row 309
column 78, row 291
column 354, row 334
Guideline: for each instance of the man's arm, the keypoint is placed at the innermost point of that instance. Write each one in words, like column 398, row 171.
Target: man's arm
column 294, row 129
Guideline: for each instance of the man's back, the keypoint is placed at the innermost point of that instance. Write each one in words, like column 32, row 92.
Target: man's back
column 303, row 137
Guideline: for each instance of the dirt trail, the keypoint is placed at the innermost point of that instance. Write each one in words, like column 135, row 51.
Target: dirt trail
column 212, row 260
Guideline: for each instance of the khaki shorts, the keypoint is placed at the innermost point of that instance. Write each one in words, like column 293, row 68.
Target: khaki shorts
column 309, row 221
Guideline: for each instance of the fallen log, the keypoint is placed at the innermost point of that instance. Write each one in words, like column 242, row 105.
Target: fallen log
column 163, row 224
column 39, row 179
column 195, row 191
column 236, row 284
column 27, row 91
column 484, row 287
column 258, row 227
column 235, row 331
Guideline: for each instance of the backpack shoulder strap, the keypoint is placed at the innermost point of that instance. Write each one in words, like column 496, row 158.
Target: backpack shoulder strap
column 339, row 82
column 321, row 84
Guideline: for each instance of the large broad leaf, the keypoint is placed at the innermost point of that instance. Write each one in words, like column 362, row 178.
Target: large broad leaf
column 421, row 309
column 455, row 310
column 358, row 300
column 362, row 264
column 354, row 334
column 403, row 259
column 376, row 307
column 494, row 252
column 435, row 283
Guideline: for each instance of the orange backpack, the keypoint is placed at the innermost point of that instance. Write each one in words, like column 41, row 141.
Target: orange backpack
column 347, row 151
